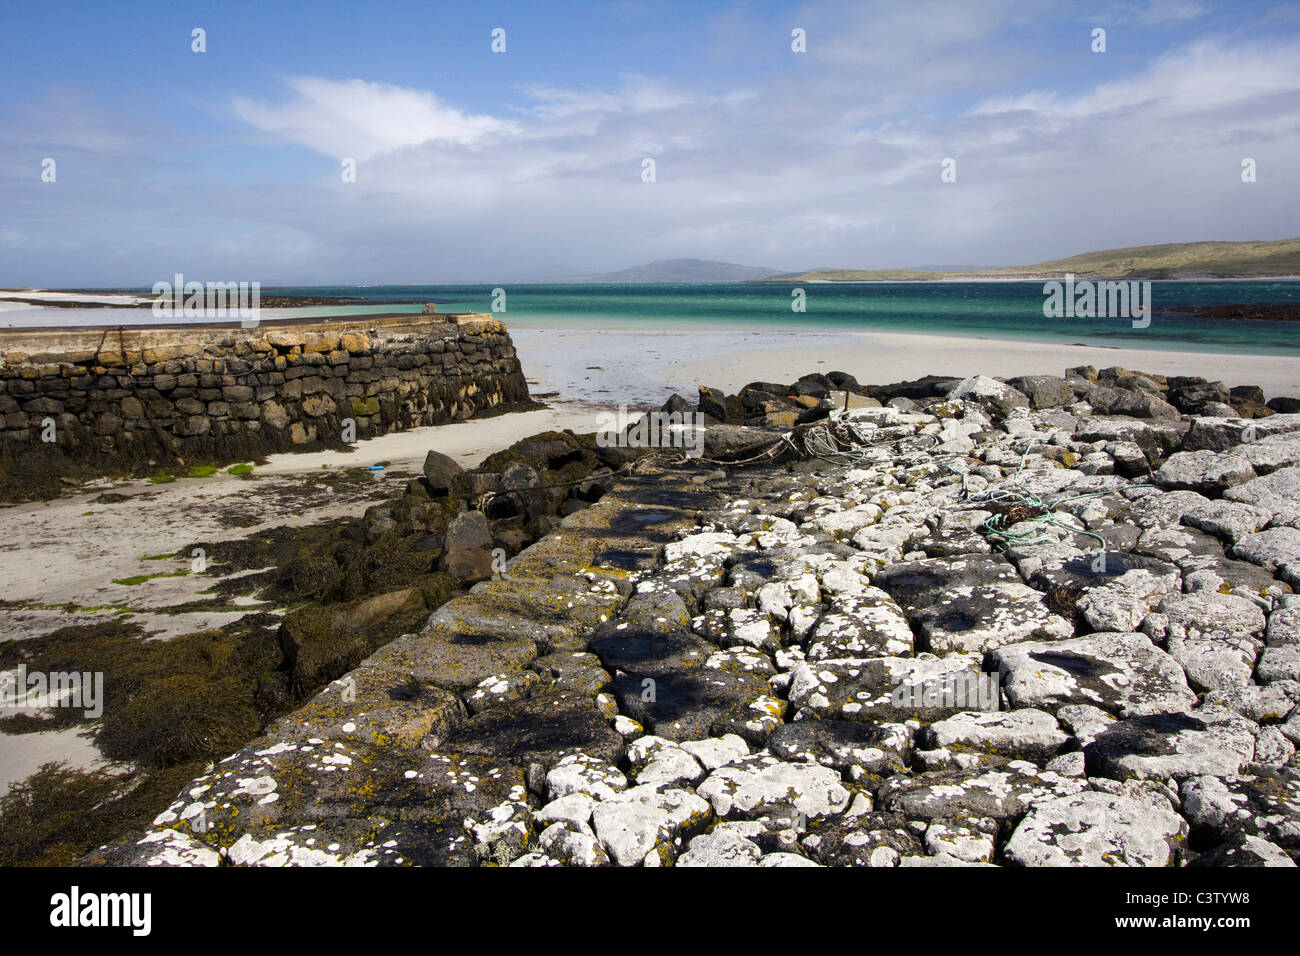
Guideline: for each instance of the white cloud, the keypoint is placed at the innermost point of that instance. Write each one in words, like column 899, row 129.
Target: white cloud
column 826, row 158
column 637, row 94
column 360, row 119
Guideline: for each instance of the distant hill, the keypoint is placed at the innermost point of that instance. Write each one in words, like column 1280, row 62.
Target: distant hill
column 681, row 270
column 1174, row 260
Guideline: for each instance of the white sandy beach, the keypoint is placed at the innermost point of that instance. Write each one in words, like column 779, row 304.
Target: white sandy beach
column 69, row 550
column 643, row 368
column 60, row 559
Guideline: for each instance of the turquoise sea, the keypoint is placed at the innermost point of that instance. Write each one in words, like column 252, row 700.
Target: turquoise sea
column 993, row 309
column 1011, row 310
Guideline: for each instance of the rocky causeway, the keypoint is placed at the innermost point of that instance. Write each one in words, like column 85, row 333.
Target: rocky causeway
column 1044, row 622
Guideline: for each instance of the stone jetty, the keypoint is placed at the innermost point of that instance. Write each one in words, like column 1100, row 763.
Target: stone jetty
column 1042, row 622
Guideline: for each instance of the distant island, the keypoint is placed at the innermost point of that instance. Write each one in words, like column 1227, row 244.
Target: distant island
column 680, row 270
column 1174, row 260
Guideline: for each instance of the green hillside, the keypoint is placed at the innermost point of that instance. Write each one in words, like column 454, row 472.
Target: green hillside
column 1174, row 260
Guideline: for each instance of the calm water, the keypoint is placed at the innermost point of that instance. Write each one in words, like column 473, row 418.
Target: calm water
column 991, row 309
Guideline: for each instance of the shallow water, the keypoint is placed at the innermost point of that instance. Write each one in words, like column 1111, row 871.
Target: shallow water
column 990, row 309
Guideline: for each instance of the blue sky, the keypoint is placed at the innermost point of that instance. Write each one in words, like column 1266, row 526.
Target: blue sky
column 481, row 166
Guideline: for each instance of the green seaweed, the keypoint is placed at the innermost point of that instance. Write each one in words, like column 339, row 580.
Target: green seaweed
column 141, row 578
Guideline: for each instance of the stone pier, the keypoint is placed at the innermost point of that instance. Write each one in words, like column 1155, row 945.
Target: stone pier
column 131, row 398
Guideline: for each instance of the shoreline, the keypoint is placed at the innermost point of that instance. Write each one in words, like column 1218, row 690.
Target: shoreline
column 63, row 559
column 648, row 367
column 897, row 358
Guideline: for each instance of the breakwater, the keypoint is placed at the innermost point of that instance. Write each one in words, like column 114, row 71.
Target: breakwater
column 126, row 399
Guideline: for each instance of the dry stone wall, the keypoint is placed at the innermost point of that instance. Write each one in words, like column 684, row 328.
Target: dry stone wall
column 129, row 398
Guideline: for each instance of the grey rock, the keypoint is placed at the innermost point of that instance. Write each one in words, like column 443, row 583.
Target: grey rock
column 1097, row 829
column 954, row 839
column 441, row 471
column 1214, row 636
column 1122, row 603
column 868, row 624
column 583, row 774
column 1283, row 626
column 919, row 584
column 1264, row 805
column 1207, row 472
column 854, row 748
column 1244, row 851
column 1229, row 520
column 1271, row 702
column 1220, row 434
column 1273, row 748
column 644, row 822
column 1271, row 453
column 889, row 688
column 1178, row 745
column 874, row 839
column 1044, row 391
column 721, row 848
column 571, row 847
column 1002, row 793
column 1026, row 733
column 992, row 394
column 716, row 752
column 1280, row 663
column 986, row 617
column 761, row 784
column 671, row 766
column 1120, row 673
column 1269, row 549
column 791, row 859
column 1277, row 492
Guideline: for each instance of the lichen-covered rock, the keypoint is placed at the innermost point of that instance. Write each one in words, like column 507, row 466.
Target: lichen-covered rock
column 1229, row 520
column 1272, row 549
column 1026, row 734
column 1277, row 492
column 721, row 848
column 1097, row 829
column 539, row 731
column 643, row 822
column 582, row 774
column 1279, row 664
column 761, row 784
column 992, row 394
column 877, row 840
column 1120, row 673
column 1159, row 746
column 1264, row 805
column 1245, row 851
column 988, row 617
column 924, row 687
column 571, row 847
column 715, row 752
column 1207, row 472
column 920, row 584
column 1002, row 793
column 967, row 843
column 867, row 624
column 853, row 748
